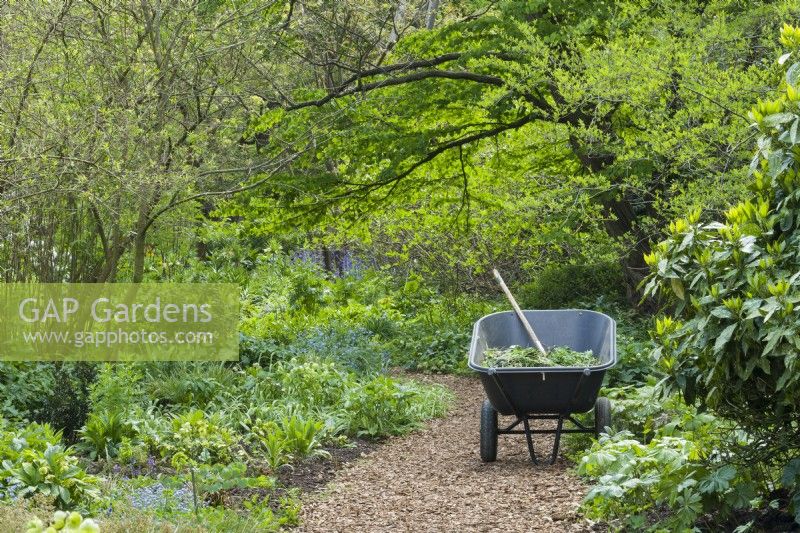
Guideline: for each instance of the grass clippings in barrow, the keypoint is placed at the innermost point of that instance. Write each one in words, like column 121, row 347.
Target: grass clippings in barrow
column 518, row 356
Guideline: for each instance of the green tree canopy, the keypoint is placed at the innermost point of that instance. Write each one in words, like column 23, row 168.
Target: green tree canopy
column 599, row 116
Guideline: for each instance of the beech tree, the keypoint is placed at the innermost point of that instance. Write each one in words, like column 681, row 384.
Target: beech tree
column 630, row 108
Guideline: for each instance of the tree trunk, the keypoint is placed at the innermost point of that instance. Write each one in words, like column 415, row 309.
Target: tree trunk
column 138, row 256
column 327, row 260
column 430, row 18
column 619, row 222
column 201, row 247
column 397, row 20
column 142, row 224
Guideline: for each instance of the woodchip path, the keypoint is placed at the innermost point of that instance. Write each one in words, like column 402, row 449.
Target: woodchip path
column 433, row 480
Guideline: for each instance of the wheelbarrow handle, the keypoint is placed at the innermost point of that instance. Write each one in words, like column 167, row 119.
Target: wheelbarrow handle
column 518, row 311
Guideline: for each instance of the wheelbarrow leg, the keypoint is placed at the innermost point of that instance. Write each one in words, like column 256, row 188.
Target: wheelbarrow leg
column 529, row 438
column 557, row 440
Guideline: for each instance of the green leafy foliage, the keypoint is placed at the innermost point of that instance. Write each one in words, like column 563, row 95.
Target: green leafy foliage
column 36, row 463
column 259, row 515
column 550, row 139
column 271, row 444
column 559, row 286
column 215, row 480
column 636, row 481
column 302, row 436
column 103, row 434
column 54, row 393
column 54, row 473
column 518, row 356
column 790, row 479
column 198, row 438
column 731, row 343
column 636, row 364
column 383, row 406
column 291, row 439
column 189, row 384
column 117, row 388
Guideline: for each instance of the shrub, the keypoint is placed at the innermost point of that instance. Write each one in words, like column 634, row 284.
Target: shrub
column 259, row 351
column 441, row 349
column 54, row 393
column 25, row 388
column 197, row 438
column 312, row 383
column 117, row 388
column 383, row 406
column 563, row 285
column 33, row 436
column 435, row 336
column 189, row 384
column 733, row 339
column 68, row 403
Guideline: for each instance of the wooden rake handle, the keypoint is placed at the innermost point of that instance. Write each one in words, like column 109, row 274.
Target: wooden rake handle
column 518, row 311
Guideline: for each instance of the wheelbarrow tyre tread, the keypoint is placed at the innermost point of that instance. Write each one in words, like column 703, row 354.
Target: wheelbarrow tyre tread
column 488, row 432
column 602, row 414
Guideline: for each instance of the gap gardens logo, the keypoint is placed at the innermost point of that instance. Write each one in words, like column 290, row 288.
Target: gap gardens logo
column 118, row 322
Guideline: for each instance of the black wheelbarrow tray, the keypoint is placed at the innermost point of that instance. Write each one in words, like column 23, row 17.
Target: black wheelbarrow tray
column 543, row 393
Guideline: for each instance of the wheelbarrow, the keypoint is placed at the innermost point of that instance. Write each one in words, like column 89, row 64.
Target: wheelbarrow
column 543, row 393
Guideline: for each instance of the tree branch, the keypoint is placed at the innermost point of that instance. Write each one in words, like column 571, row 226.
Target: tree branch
column 174, row 202
column 433, row 154
column 347, row 88
column 416, row 76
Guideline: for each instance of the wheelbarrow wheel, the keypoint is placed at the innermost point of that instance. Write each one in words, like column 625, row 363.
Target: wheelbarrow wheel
column 488, row 432
column 602, row 415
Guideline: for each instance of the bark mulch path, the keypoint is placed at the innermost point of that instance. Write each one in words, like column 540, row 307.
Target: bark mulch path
column 434, row 480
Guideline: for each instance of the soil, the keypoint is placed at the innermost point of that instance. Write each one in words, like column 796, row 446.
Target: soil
column 434, row 480
column 316, row 473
